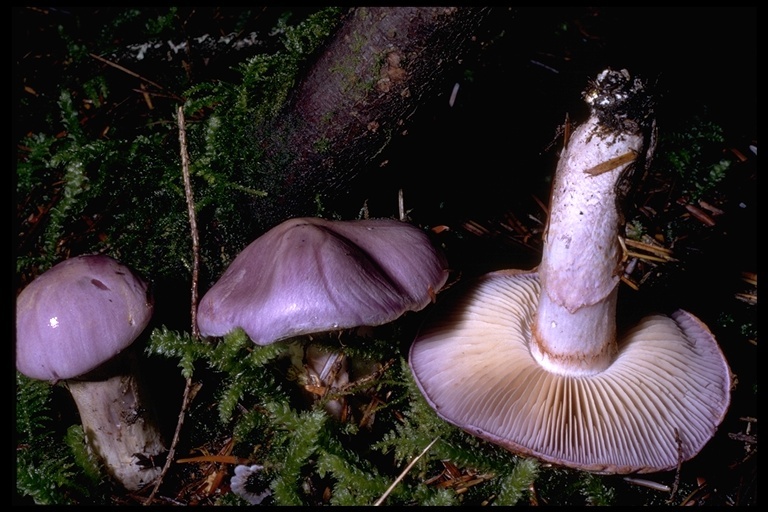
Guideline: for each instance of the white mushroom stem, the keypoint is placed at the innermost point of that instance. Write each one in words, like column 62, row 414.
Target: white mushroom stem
column 321, row 371
column 575, row 330
column 120, row 425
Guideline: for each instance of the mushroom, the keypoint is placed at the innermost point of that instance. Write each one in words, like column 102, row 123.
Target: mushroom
column 75, row 325
column 310, row 275
column 532, row 360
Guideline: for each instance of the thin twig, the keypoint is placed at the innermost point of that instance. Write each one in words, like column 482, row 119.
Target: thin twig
column 612, row 163
column 224, row 459
column 405, row 472
column 749, row 278
column 661, row 251
column 648, row 257
column 648, row 483
column 132, row 73
column 192, row 219
column 188, row 394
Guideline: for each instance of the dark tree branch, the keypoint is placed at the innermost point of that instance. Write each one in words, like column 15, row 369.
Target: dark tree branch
column 360, row 92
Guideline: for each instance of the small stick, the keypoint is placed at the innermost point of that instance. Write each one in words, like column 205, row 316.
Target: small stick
column 612, row 163
column 700, row 215
column 147, row 96
column 541, row 205
column 647, row 483
column 192, row 218
column 475, row 228
column 629, row 282
column 224, row 459
column 132, row 73
column 749, row 278
column 648, row 257
column 648, row 247
column 188, row 393
column 405, row 471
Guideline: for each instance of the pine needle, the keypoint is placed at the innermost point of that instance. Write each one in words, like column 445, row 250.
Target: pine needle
column 405, row 471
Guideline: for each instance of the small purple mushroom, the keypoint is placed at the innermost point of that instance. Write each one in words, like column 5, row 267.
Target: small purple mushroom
column 75, row 325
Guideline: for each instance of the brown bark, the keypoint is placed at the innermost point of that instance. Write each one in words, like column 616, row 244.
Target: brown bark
column 359, row 93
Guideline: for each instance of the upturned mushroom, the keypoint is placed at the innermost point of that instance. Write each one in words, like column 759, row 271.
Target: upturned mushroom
column 308, row 276
column 75, row 325
column 532, row 360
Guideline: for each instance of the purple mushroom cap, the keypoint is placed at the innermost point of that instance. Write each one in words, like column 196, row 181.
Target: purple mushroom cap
column 78, row 315
column 310, row 275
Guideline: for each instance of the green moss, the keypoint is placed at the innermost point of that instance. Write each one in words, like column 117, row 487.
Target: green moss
column 45, row 472
column 692, row 153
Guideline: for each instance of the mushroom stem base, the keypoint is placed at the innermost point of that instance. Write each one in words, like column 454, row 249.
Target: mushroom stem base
column 119, row 427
